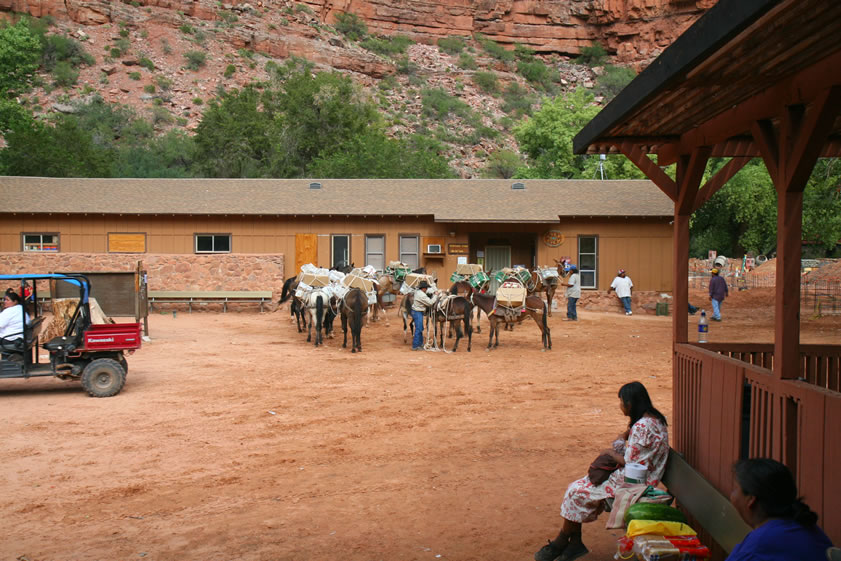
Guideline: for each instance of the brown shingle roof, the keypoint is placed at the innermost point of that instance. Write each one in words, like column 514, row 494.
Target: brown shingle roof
column 457, row 200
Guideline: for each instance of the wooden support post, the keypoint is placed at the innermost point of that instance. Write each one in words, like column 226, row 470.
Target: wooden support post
column 790, row 151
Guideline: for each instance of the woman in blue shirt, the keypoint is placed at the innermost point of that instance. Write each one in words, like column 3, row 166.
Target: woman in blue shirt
column 784, row 527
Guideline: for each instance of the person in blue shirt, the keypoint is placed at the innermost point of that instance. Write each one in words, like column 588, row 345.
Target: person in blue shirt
column 784, row 527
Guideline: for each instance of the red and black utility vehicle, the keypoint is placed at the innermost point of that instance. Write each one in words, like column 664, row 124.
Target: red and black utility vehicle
column 94, row 354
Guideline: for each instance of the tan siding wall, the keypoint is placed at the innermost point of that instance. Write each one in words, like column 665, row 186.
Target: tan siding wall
column 642, row 246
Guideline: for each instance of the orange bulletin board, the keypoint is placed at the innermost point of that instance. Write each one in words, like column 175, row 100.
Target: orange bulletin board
column 126, row 242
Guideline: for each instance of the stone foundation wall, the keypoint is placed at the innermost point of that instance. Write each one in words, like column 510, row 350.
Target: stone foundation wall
column 219, row 271
column 642, row 302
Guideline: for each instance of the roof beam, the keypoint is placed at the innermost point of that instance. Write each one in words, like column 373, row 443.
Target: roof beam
column 802, row 88
column 718, row 181
column 690, row 172
column 640, row 159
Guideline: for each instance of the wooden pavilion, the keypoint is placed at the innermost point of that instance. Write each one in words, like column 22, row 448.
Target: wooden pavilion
column 751, row 78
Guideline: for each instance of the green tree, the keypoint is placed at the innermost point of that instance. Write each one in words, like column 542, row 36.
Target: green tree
column 170, row 155
column 312, row 114
column 373, row 155
column 502, row 164
column 232, row 139
column 20, row 52
column 546, row 137
column 63, row 150
column 822, row 206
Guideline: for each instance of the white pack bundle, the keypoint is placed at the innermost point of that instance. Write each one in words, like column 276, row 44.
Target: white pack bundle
column 405, row 288
column 328, row 290
column 309, row 269
column 302, row 289
column 339, row 290
column 322, row 271
column 548, row 273
column 369, row 270
column 336, row 276
column 372, row 297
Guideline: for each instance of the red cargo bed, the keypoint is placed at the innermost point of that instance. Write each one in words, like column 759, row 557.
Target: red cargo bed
column 112, row 337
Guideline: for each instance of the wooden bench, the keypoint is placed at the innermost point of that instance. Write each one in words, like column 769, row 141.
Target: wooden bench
column 209, row 297
column 714, row 513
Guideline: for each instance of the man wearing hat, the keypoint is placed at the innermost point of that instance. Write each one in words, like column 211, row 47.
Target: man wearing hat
column 718, row 292
column 573, row 292
column 622, row 285
column 421, row 301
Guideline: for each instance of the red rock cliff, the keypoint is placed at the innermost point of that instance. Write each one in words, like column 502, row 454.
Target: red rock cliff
column 635, row 30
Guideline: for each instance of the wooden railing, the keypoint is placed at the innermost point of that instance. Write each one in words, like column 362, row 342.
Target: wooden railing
column 728, row 405
column 820, row 365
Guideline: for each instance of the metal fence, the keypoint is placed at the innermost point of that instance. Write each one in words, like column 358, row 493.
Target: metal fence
column 817, row 297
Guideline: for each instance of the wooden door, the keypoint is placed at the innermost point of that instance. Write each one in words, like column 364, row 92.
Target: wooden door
column 306, row 250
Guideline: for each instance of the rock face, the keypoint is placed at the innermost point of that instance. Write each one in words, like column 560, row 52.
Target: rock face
column 635, row 31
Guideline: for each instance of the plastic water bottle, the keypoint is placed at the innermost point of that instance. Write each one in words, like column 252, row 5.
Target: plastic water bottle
column 703, row 327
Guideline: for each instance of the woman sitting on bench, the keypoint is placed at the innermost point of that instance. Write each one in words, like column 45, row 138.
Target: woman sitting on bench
column 647, row 444
column 784, row 527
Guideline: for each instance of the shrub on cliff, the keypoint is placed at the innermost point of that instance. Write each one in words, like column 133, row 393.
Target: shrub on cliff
column 451, row 45
column 351, row 26
column 594, row 55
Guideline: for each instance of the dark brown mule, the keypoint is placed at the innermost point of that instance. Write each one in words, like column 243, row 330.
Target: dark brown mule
column 296, row 308
column 456, row 310
column 537, row 285
column 535, row 308
column 464, row 288
column 354, row 308
column 405, row 311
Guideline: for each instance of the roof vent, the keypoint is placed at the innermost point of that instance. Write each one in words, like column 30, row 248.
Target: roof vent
column 315, row 185
column 518, row 185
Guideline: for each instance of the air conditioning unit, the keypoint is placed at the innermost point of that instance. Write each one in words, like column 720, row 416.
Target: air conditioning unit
column 433, row 248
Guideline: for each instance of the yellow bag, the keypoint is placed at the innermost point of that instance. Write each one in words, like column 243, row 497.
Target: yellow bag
column 658, row 528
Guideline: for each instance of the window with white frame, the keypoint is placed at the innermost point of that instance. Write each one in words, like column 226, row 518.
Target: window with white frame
column 340, row 250
column 40, row 242
column 213, row 243
column 588, row 260
column 410, row 251
column 375, row 251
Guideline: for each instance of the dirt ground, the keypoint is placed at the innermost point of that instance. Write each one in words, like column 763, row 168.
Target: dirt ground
column 235, row 439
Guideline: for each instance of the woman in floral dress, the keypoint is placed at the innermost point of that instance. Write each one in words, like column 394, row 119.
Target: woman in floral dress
column 647, row 444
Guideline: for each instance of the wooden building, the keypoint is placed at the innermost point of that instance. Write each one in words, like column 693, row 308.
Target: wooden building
column 750, row 79
column 600, row 225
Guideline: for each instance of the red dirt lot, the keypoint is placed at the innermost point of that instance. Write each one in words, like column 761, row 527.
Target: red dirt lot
column 235, row 439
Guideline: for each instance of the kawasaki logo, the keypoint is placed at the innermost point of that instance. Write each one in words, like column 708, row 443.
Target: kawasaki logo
column 106, row 340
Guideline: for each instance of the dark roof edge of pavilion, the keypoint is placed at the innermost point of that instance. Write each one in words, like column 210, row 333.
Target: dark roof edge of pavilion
column 718, row 25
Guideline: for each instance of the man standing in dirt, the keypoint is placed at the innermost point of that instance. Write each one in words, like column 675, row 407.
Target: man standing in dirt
column 573, row 293
column 718, row 292
column 622, row 285
column 420, row 303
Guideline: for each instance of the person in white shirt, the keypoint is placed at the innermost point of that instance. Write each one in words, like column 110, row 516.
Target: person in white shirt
column 622, row 285
column 573, row 293
column 420, row 303
column 12, row 317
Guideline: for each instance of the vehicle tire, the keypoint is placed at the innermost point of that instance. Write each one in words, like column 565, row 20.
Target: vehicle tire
column 124, row 363
column 103, row 377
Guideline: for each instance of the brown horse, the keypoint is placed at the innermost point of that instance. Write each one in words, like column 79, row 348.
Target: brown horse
column 456, row 310
column 537, row 284
column 387, row 285
column 354, row 308
column 534, row 308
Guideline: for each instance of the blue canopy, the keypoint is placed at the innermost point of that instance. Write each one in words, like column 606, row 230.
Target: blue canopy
column 77, row 280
